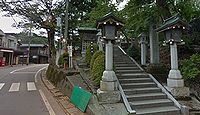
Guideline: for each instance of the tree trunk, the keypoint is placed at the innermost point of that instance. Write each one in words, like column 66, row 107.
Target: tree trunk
column 163, row 7
column 52, row 50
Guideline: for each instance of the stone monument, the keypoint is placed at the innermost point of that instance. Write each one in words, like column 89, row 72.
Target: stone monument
column 108, row 92
column 173, row 29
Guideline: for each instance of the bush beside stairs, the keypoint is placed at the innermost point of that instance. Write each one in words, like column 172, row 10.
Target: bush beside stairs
column 142, row 93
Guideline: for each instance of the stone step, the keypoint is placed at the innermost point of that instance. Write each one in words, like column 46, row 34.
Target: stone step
column 132, row 75
column 151, row 103
column 142, row 90
column 138, row 85
column 126, row 65
column 122, row 58
column 129, row 71
column 135, row 80
column 123, row 62
column 167, row 110
column 127, row 68
column 147, row 96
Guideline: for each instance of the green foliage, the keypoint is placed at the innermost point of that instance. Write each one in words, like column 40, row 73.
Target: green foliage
column 102, row 8
column 190, row 68
column 63, row 58
column 157, row 69
column 96, row 54
column 134, row 52
column 89, row 54
column 48, row 72
column 98, row 68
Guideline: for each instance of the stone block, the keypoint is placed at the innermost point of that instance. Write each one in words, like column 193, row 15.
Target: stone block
column 175, row 82
column 109, row 76
column 176, row 74
column 178, row 92
column 108, row 96
column 108, row 86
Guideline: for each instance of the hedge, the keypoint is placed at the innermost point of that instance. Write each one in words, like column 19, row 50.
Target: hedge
column 96, row 54
column 98, row 69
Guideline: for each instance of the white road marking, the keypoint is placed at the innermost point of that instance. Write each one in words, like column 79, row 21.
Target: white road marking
column 23, row 73
column 38, row 72
column 14, row 87
column 49, row 108
column 1, row 85
column 31, row 86
column 21, row 69
column 27, row 67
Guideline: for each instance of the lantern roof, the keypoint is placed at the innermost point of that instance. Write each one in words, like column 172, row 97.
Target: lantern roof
column 111, row 19
column 172, row 22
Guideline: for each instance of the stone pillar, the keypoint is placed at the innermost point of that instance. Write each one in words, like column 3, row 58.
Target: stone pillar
column 143, row 48
column 175, row 82
column 108, row 92
column 154, row 45
column 143, row 54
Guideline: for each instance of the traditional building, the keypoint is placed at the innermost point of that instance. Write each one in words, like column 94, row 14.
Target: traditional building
column 8, row 49
column 87, row 36
column 38, row 53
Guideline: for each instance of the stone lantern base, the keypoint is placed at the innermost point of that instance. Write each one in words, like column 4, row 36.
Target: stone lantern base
column 108, row 92
column 108, row 96
column 177, row 88
column 179, row 92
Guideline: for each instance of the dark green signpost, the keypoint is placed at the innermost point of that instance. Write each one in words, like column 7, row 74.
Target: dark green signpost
column 80, row 98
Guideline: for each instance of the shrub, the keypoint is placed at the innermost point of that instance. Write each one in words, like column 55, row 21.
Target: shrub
column 49, row 71
column 190, row 68
column 159, row 71
column 63, row 58
column 88, row 54
column 98, row 68
column 53, row 75
column 96, row 54
column 134, row 52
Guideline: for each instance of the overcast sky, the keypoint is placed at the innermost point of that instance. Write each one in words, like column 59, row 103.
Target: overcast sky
column 6, row 22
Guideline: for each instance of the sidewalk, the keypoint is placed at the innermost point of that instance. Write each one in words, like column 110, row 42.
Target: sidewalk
column 63, row 100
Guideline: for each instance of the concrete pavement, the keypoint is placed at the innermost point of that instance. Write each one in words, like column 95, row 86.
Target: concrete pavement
column 21, row 94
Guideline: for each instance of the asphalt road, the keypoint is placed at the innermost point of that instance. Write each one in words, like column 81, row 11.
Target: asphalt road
column 20, row 93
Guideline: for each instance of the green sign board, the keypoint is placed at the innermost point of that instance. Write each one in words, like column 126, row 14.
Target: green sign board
column 80, row 98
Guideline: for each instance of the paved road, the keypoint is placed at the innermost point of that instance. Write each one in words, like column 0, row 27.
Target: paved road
column 20, row 94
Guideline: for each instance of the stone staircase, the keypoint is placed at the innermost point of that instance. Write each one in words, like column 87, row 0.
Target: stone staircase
column 142, row 93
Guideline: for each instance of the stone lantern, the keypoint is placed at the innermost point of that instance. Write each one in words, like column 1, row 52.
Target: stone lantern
column 108, row 92
column 173, row 29
column 143, row 42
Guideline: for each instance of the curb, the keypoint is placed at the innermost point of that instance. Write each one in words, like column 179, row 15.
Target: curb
column 62, row 100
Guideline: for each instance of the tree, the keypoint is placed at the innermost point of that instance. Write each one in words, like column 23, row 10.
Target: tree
column 41, row 14
column 139, row 14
